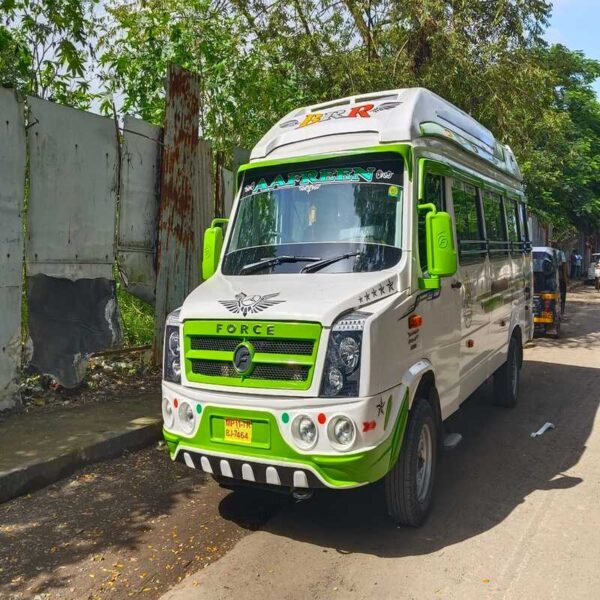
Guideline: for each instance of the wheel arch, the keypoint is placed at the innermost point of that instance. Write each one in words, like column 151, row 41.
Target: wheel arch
column 420, row 381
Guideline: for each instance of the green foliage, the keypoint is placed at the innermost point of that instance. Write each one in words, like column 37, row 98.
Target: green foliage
column 45, row 48
column 137, row 316
column 259, row 59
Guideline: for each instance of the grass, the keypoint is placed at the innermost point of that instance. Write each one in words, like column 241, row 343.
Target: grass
column 137, row 316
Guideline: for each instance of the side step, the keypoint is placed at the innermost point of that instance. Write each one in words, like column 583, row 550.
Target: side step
column 451, row 440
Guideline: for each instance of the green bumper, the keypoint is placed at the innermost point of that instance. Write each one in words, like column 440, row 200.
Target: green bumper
column 335, row 471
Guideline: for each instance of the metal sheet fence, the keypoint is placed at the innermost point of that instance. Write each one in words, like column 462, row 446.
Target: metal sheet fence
column 12, row 184
column 138, row 207
column 98, row 196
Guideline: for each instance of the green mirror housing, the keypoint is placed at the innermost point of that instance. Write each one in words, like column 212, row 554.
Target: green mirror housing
column 213, row 244
column 441, row 250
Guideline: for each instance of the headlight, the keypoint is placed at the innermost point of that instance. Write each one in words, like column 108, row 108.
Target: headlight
column 349, row 353
column 304, row 431
column 342, row 432
column 187, row 418
column 172, row 349
column 168, row 413
column 341, row 376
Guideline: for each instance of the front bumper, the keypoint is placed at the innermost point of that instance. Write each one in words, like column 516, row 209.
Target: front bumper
column 273, row 457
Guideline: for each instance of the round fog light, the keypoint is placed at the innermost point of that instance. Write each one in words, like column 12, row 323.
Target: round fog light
column 342, row 432
column 187, row 418
column 168, row 413
column 305, row 431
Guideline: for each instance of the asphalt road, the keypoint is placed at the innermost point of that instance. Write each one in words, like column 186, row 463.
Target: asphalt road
column 514, row 517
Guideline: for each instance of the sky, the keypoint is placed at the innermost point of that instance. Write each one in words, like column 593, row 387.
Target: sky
column 575, row 24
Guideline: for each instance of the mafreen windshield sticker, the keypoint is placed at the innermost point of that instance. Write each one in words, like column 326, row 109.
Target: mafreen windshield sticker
column 312, row 179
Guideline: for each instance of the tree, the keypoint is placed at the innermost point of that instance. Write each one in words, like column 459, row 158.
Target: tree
column 45, row 48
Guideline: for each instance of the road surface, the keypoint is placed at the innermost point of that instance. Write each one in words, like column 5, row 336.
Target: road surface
column 514, row 517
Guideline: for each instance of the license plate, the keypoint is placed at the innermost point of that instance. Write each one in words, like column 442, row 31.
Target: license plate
column 238, row 431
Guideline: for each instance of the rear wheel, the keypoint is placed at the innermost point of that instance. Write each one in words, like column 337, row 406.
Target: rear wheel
column 506, row 378
column 409, row 485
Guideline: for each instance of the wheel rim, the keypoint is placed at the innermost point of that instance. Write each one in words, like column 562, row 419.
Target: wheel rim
column 424, row 463
column 514, row 375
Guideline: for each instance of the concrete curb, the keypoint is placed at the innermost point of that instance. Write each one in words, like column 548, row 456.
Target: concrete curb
column 38, row 474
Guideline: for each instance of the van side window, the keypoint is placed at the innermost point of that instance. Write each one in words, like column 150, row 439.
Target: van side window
column 494, row 223
column 524, row 222
column 433, row 193
column 512, row 222
column 467, row 217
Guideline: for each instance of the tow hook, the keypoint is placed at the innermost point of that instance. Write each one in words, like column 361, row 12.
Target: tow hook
column 301, row 494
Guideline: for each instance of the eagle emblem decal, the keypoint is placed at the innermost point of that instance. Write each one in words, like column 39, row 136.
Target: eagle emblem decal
column 250, row 304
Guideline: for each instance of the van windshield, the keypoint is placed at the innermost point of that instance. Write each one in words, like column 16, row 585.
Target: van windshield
column 339, row 215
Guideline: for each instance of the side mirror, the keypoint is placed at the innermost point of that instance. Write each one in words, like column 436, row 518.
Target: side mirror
column 213, row 244
column 441, row 251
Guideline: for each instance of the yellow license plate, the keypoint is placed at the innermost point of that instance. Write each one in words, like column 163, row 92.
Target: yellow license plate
column 238, row 431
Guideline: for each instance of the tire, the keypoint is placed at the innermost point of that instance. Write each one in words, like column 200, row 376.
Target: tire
column 409, row 485
column 507, row 377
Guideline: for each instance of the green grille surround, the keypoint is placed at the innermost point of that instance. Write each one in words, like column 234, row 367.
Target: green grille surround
column 209, row 345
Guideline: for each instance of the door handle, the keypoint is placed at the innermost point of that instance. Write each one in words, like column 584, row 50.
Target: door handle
column 456, row 285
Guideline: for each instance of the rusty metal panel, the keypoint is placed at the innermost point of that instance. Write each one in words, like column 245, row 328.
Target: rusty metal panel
column 179, row 241
column 138, row 207
column 12, row 190
column 71, row 239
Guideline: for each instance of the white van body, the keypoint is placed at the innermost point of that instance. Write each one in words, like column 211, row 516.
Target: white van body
column 439, row 343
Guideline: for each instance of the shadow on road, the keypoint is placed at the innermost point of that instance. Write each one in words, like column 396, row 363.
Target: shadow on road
column 497, row 466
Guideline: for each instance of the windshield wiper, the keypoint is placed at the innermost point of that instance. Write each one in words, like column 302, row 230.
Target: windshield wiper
column 277, row 260
column 321, row 264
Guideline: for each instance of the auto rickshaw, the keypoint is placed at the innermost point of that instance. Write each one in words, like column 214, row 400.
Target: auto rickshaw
column 546, row 291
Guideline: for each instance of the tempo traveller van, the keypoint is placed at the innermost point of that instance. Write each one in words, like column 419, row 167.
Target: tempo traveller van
column 376, row 270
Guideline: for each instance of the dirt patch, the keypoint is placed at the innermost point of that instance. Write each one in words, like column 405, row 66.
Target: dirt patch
column 107, row 378
column 130, row 527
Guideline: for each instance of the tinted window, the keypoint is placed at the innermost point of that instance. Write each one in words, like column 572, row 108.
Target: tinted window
column 434, row 194
column 512, row 219
column 468, row 221
column 494, row 223
column 524, row 222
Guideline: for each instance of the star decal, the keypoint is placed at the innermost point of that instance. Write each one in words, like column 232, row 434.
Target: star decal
column 380, row 406
column 381, row 289
column 374, row 292
column 367, row 296
column 360, row 299
column 390, row 285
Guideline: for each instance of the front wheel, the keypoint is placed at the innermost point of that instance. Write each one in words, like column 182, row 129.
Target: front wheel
column 506, row 378
column 409, row 485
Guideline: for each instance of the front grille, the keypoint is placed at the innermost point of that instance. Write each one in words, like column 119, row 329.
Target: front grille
column 281, row 372
column 214, row 368
column 266, row 346
column 214, row 343
column 300, row 347
column 219, row 368
column 284, row 353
